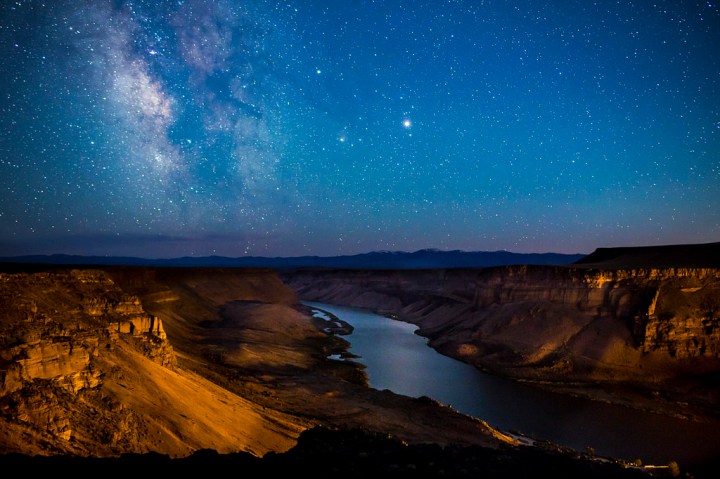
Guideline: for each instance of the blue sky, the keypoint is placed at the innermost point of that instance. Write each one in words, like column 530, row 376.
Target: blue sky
column 162, row 129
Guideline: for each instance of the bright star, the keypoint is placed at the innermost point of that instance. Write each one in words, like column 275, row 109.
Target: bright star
column 407, row 123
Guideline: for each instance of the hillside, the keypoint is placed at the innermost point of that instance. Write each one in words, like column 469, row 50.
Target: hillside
column 88, row 370
column 176, row 360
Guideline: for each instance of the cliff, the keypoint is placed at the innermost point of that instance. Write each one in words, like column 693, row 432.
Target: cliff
column 86, row 369
column 656, row 329
column 55, row 324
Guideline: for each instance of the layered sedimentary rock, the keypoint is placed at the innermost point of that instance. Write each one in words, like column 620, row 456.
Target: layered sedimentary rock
column 85, row 369
column 640, row 326
column 61, row 320
column 56, row 330
column 86, row 365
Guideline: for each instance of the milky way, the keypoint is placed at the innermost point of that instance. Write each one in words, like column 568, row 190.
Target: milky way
column 195, row 127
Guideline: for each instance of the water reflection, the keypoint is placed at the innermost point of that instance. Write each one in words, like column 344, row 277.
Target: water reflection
column 399, row 360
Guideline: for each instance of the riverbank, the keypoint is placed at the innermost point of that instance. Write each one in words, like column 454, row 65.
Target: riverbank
column 520, row 409
column 635, row 337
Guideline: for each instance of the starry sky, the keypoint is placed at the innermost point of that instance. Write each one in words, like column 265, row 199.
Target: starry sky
column 288, row 128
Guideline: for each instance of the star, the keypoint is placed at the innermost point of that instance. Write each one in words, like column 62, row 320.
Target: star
column 202, row 93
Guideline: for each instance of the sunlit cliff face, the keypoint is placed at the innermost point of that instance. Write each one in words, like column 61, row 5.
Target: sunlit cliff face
column 87, row 370
column 101, row 362
column 66, row 320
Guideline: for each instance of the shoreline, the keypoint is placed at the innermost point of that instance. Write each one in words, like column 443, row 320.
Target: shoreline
column 631, row 396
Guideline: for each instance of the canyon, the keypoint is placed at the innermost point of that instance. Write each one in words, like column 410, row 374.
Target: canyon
column 105, row 361
column 644, row 337
column 99, row 363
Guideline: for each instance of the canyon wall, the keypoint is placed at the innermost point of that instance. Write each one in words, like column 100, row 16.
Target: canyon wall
column 103, row 362
column 640, row 326
column 87, row 369
column 55, row 323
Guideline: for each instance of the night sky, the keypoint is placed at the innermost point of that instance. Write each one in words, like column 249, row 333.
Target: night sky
column 162, row 129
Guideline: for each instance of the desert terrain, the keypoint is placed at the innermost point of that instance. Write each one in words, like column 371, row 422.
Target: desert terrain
column 170, row 364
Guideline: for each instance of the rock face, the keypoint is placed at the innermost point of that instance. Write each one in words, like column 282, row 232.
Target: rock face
column 62, row 320
column 85, row 369
column 683, row 317
column 55, row 327
column 647, row 327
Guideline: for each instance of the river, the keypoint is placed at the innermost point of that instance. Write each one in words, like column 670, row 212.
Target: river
column 399, row 360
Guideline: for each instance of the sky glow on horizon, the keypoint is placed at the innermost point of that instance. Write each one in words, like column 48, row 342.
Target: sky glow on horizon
column 263, row 128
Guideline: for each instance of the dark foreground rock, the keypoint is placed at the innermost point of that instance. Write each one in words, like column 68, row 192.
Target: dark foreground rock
column 323, row 452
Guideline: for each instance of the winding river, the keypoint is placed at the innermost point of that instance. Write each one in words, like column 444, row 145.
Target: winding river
column 401, row 361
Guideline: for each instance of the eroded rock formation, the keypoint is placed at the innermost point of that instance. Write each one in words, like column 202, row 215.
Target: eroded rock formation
column 61, row 321
column 56, row 330
column 649, row 327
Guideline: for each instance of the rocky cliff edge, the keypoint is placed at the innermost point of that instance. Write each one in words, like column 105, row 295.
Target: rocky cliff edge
column 86, row 370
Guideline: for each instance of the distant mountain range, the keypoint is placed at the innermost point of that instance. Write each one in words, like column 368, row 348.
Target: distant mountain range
column 670, row 256
column 422, row 259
